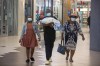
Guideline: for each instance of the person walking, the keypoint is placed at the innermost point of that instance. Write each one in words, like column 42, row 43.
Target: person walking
column 28, row 39
column 49, row 37
column 71, row 30
column 88, row 21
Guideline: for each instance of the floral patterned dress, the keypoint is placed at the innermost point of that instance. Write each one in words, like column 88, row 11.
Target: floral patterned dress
column 71, row 32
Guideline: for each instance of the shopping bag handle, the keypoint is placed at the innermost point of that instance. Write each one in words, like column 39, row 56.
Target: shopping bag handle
column 62, row 42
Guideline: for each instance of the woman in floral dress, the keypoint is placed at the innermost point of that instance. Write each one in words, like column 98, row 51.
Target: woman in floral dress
column 70, row 31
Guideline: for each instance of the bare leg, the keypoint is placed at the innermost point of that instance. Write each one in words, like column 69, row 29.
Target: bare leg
column 28, row 52
column 67, row 54
column 32, row 52
column 71, row 55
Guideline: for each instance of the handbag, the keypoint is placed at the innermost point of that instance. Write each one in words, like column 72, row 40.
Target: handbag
column 61, row 48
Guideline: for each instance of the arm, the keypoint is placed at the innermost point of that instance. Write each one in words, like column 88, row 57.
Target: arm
column 49, row 24
column 83, row 38
column 22, row 33
column 37, row 32
column 80, row 31
column 62, row 32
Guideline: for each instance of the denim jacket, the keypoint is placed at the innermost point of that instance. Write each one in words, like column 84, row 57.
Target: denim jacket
column 35, row 27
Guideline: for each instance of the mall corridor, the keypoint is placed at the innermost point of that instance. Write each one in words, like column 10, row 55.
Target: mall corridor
column 12, row 54
column 13, row 13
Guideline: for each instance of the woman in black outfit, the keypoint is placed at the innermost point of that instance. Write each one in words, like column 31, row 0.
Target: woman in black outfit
column 49, row 38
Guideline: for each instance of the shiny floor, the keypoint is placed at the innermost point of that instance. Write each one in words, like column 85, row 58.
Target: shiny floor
column 12, row 54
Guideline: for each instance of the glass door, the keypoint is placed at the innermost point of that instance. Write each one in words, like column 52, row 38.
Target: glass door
column 3, row 18
column 8, row 17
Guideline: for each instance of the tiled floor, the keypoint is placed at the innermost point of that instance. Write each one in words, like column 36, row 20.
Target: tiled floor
column 12, row 54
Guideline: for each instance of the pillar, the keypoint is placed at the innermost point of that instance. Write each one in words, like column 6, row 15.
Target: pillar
column 66, row 7
column 52, row 7
column 95, row 25
column 21, row 5
column 34, row 10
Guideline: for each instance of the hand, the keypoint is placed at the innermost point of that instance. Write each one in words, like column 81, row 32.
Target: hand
column 83, row 38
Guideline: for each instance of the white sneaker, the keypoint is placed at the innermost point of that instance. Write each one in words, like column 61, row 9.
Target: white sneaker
column 50, row 60
column 47, row 62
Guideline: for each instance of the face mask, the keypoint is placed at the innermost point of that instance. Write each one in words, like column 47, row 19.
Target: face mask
column 48, row 14
column 29, row 19
column 73, row 19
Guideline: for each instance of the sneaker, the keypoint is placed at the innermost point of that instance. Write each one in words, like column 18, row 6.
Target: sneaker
column 32, row 59
column 47, row 62
column 50, row 60
column 71, row 60
column 27, row 61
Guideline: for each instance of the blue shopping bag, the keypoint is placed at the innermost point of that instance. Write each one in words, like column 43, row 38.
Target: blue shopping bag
column 61, row 48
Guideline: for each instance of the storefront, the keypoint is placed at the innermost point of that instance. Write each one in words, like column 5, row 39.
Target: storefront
column 42, row 8
column 54, row 5
column 8, row 17
column 57, row 9
column 82, row 8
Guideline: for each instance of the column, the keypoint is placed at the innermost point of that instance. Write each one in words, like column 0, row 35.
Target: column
column 21, row 5
column 66, row 7
column 34, row 6
column 95, row 25
column 52, row 7
column 15, row 17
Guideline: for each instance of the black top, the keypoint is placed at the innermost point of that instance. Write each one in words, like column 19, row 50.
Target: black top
column 49, row 32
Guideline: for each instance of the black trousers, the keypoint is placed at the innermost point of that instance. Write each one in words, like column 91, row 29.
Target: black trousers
column 48, row 49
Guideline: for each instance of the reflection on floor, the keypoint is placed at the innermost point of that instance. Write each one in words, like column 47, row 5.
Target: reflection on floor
column 12, row 54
